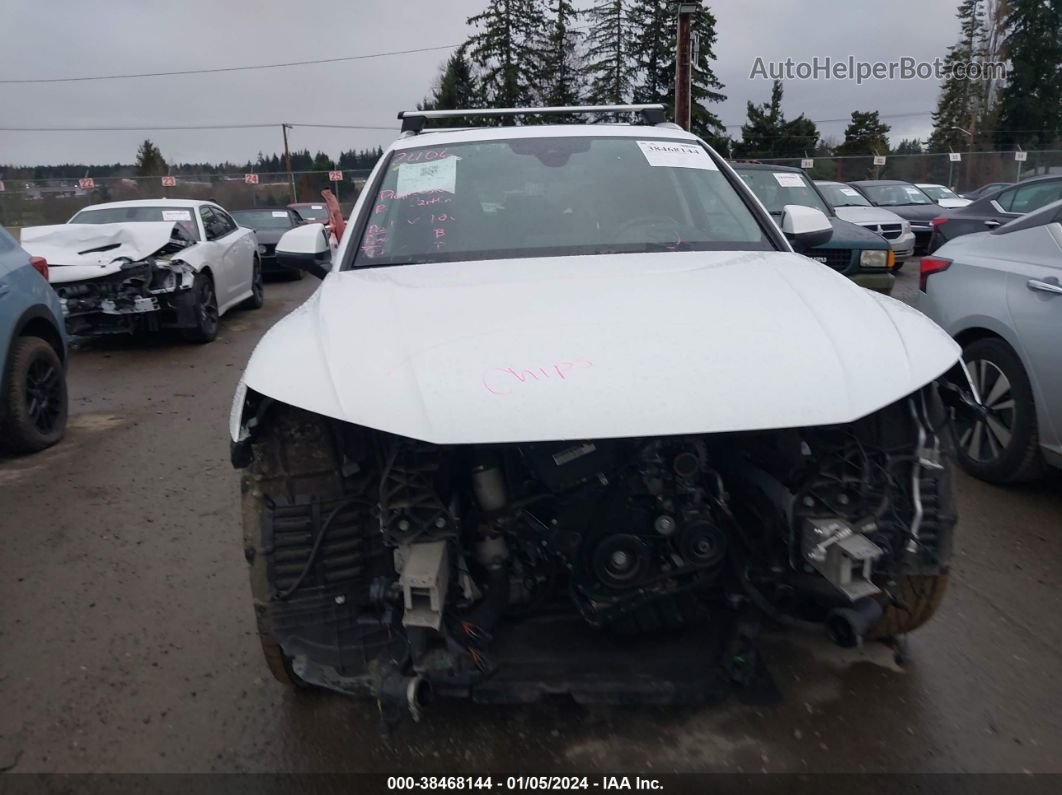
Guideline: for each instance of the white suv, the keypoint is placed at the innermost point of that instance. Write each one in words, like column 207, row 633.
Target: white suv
column 563, row 384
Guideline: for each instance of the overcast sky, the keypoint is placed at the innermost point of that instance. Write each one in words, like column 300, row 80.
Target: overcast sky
column 62, row 38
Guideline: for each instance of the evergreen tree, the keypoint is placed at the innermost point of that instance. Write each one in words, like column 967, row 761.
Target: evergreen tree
column 962, row 102
column 611, row 70
column 654, row 26
column 864, row 135
column 504, row 51
column 561, row 79
column 909, row 146
column 149, row 160
column 798, row 137
column 766, row 133
column 455, row 89
column 763, row 127
column 1030, row 104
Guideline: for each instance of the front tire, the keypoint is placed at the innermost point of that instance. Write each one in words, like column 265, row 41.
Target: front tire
column 257, row 299
column 206, row 311
column 35, row 399
column 1000, row 443
column 917, row 598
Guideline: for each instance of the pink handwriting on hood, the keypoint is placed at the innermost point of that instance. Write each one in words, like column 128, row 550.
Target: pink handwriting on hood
column 503, row 380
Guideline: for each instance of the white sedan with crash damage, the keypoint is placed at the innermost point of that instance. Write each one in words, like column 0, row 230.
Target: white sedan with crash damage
column 147, row 265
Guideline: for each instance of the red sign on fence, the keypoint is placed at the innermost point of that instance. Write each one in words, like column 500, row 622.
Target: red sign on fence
column 86, row 183
column 250, row 179
column 169, row 182
column 335, row 176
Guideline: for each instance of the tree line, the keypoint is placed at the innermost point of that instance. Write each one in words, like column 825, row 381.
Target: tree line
column 526, row 53
column 150, row 162
column 1023, row 110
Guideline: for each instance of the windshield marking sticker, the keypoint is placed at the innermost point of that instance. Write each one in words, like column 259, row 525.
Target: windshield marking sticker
column 279, row 214
column 787, row 180
column 849, row 191
column 440, row 175
column 176, row 215
column 673, row 154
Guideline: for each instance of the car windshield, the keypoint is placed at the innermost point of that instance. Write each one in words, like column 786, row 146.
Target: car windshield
column 843, row 196
column 938, row 192
column 894, row 195
column 182, row 216
column 264, row 219
column 312, row 212
column 528, row 197
column 776, row 189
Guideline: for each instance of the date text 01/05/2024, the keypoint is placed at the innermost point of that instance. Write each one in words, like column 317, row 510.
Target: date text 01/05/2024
column 520, row 783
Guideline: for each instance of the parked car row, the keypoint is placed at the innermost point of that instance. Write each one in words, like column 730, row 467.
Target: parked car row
column 853, row 249
column 116, row 268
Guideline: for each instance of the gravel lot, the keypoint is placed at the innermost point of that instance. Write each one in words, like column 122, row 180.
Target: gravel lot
column 126, row 625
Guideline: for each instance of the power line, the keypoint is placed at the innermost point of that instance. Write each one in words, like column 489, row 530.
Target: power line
column 156, row 127
column 228, row 68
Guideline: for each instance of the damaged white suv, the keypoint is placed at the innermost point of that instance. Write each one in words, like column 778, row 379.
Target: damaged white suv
column 569, row 415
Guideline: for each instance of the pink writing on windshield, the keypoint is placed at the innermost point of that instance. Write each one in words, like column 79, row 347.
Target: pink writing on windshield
column 420, row 156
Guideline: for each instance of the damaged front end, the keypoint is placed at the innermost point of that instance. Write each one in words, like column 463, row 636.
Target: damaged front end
column 119, row 278
column 608, row 570
column 149, row 294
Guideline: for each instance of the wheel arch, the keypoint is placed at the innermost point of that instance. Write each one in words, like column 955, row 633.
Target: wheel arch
column 36, row 321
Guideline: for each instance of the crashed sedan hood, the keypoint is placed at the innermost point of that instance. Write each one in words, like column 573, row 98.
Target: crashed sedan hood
column 85, row 251
column 604, row 346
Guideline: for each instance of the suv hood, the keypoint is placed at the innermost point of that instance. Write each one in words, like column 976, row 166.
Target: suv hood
column 621, row 345
column 868, row 215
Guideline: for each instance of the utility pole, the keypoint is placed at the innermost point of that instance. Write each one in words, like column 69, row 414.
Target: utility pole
column 683, row 66
column 287, row 160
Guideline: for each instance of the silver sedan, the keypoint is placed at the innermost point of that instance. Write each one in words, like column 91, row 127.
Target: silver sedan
column 999, row 294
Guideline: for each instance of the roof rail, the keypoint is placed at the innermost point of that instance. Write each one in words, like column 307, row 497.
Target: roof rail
column 413, row 121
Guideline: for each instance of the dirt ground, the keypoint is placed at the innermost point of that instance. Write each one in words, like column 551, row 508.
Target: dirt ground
column 128, row 645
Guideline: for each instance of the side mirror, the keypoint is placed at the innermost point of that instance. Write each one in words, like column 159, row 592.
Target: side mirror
column 305, row 248
column 805, row 227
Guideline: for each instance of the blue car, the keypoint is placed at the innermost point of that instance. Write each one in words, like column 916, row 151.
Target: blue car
column 32, row 353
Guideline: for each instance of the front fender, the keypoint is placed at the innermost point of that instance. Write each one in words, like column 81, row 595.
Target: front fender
column 289, row 366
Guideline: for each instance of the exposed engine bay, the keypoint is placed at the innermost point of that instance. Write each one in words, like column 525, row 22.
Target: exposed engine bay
column 609, row 570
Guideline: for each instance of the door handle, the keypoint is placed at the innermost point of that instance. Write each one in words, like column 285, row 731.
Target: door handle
column 1044, row 287
column 991, row 223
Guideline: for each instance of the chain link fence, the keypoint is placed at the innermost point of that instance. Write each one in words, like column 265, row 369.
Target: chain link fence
column 52, row 201
column 971, row 171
